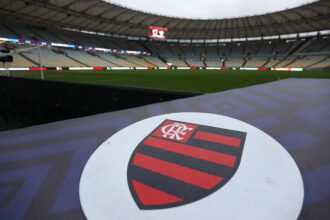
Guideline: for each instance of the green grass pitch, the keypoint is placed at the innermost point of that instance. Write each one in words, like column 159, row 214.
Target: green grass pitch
column 200, row 81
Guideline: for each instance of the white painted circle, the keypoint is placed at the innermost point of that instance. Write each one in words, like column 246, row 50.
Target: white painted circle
column 267, row 184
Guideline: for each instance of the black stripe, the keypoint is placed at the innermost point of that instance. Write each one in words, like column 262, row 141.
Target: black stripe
column 221, row 148
column 186, row 161
column 166, row 184
column 222, row 131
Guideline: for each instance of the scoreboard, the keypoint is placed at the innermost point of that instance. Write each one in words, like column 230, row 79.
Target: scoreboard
column 157, row 32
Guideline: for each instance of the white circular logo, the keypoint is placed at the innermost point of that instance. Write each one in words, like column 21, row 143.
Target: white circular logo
column 191, row 166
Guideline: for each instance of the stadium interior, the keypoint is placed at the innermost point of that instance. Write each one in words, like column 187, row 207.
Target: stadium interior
column 224, row 101
column 297, row 44
column 306, row 52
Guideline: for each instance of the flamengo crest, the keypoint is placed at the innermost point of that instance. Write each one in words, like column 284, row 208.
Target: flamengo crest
column 179, row 163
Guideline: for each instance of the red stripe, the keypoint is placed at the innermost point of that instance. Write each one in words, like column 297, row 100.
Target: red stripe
column 98, row 68
column 224, row 68
column 262, row 69
column 37, row 68
column 151, row 196
column 185, row 174
column 211, row 156
column 220, row 139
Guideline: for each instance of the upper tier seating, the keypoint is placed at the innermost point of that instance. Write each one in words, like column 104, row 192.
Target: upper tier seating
column 256, row 62
column 305, row 52
column 234, row 62
column 156, row 61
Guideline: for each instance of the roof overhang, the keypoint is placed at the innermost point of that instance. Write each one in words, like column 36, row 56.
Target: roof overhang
column 100, row 16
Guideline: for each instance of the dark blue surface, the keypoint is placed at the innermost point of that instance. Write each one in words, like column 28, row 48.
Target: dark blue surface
column 40, row 167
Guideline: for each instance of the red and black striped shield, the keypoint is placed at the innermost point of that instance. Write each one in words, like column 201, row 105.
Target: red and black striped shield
column 179, row 163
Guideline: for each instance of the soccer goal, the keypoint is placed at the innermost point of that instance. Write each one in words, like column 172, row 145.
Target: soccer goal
column 6, row 60
column 35, row 51
column 4, row 70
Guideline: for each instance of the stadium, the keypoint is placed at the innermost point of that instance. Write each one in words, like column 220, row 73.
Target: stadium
column 76, row 34
column 73, row 73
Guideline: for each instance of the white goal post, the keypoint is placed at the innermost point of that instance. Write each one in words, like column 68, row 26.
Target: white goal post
column 17, row 50
column 5, row 70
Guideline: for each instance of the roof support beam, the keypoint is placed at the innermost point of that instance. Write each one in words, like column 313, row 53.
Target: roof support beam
column 293, row 27
column 262, row 24
column 94, row 5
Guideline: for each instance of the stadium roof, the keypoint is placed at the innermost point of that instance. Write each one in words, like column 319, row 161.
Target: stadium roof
column 100, row 16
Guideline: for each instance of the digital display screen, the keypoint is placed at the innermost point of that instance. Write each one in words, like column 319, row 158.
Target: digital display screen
column 157, row 32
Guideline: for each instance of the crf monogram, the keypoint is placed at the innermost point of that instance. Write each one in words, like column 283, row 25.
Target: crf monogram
column 173, row 131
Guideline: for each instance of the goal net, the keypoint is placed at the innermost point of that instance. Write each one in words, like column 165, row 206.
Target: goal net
column 23, row 59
